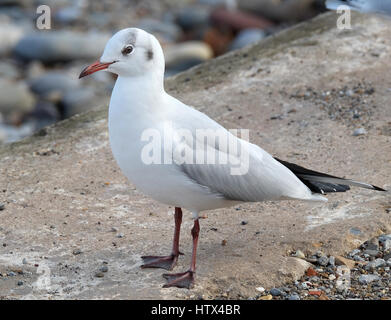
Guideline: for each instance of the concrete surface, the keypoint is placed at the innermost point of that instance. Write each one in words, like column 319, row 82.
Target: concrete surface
column 69, row 211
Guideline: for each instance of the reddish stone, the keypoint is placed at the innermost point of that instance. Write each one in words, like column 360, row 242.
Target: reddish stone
column 311, row 272
column 315, row 292
column 238, row 20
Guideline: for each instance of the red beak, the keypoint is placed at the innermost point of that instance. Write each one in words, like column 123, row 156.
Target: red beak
column 94, row 67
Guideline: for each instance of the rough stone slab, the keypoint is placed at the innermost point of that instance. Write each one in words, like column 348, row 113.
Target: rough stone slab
column 64, row 194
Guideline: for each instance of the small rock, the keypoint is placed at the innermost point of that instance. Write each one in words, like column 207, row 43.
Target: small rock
column 20, row 283
column 359, row 132
column 311, row 272
column 332, row 277
column 169, row 31
column 2, row 206
column 372, row 253
column 120, row 235
column 185, row 54
column 332, row 261
column 60, row 46
column 339, row 260
column 299, row 254
column 80, row 100
column 76, row 252
column 24, row 261
column 99, row 275
column 193, row 17
column 387, row 245
column 315, row 292
column 268, row 297
column 389, row 262
column 52, row 82
column 260, row 289
column 375, row 264
column 15, row 97
column 243, row 223
column 10, row 34
column 247, row 37
column 323, row 261
column 275, row 292
column 367, row 278
column 103, row 269
column 294, row 296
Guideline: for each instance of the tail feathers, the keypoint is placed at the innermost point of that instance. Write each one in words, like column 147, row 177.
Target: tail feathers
column 322, row 183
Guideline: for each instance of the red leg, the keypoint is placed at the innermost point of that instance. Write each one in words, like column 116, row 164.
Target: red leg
column 167, row 262
column 185, row 279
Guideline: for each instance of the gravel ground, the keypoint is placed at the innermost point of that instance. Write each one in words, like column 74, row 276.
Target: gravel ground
column 363, row 273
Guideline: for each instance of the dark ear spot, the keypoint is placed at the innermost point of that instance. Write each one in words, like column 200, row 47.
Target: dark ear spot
column 149, row 54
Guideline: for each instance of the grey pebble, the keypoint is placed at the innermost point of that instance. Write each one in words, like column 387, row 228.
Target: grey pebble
column 359, row 132
column 323, row 261
column 367, row 278
column 99, row 275
column 370, row 252
column 2, row 206
column 103, row 269
column 294, row 297
column 375, row 264
column 76, row 252
column 20, row 283
column 275, row 292
column 387, row 245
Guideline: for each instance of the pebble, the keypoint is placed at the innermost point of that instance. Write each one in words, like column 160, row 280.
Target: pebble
column 60, row 46
column 275, row 292
column 20, row 283
column 15, row 97
column 192, row 17
column 103, row 269
column 2, row 206
column 247, row 37
column 166, row 30
column 76, row 252
column 186, row 53
column 368, row 278
column 372, row 253
column 80, row 100
column 359, row 132
column 323, row 261
column 267, row 297
column 52, row 82
column 375, row 264
column 99, row 275
column 10, row 34
column 299, row 254
column 387, row 245
column 294, row 297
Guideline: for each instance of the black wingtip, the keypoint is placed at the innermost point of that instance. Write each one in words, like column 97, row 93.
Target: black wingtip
column 378, row 189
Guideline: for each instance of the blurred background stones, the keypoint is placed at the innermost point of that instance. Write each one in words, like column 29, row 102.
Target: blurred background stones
column 39, row 69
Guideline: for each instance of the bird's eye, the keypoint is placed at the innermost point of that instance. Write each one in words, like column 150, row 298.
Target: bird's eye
column 127, row 50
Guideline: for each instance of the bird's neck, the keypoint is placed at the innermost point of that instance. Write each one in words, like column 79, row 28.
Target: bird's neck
column 144, row 91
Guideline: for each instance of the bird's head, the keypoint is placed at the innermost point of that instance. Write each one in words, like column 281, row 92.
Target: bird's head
column 130, row 52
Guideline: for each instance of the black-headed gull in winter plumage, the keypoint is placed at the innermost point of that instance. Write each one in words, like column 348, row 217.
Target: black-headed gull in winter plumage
column 139, row 104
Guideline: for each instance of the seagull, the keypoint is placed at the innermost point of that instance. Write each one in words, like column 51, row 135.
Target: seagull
column 142, row 115
column 365, row 6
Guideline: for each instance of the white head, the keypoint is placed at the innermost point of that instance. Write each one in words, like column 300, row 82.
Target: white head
column 130, row 52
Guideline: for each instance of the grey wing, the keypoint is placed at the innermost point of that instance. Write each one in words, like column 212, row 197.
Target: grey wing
column 256, row 178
